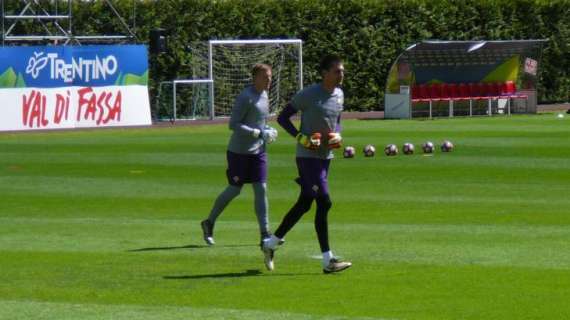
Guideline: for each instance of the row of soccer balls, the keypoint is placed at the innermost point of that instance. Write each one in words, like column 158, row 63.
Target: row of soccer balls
column 392, row 150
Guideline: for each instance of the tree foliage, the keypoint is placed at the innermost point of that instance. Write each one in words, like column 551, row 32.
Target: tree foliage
column 370, row 34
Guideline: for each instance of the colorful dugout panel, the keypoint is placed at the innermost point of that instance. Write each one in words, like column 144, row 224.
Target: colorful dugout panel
column 443, row 77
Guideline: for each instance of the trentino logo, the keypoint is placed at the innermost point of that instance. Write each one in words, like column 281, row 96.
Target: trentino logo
column 84, row 69
column 36, row 64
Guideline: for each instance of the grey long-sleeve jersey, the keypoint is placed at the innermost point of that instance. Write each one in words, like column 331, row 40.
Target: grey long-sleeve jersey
column 250, row 112
column 320, row 112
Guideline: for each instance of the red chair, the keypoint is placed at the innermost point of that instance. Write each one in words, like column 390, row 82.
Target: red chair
column 445, row 94
column 504, row 89
column 477, row 91
column 464, row 91
column 421, row 93
column 487, row 89
column 510, row 88
column 453, row 90
column 415, row 92
column 424, row 92
column 435, row 91
column 496, row 89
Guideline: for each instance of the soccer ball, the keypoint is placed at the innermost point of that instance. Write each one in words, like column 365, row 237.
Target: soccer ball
column 391, row 150
column 408, row 148
column 446, row 146
column 369, row 150
column 428, row 147
column 349, row 152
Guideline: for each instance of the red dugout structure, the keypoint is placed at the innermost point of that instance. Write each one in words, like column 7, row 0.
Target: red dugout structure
column 465, row 78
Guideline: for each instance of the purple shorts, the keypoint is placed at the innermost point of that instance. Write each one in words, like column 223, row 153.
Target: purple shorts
column 313, row 175
column 246, row 168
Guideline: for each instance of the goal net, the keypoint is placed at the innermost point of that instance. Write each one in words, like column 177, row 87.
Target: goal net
column 183, row 100
column 228, row 64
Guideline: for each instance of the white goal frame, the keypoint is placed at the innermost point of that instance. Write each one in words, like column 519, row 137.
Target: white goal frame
column 212, row 43
column 189, row 81
column 174, row 84
column 210, row 80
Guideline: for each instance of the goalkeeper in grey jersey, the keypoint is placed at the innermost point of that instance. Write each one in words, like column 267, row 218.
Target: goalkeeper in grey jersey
column 246, row 156
column 320, row 105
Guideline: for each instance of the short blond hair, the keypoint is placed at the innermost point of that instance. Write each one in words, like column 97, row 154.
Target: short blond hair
column 259, row 67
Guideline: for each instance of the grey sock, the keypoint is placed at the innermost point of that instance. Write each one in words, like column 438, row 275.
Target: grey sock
column 222, row 201
column 261, row 207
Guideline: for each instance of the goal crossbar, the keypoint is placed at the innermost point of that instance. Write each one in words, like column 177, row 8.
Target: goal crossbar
column 212, row 43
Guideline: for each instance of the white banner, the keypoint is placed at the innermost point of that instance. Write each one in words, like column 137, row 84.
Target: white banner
column 73, row 107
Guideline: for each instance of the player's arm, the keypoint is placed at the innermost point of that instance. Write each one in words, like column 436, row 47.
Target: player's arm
column 334, row 140
column 239, row 112
column 284, row 120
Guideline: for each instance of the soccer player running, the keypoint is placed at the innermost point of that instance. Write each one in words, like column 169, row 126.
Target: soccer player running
column 320, row 105
column 246, row 156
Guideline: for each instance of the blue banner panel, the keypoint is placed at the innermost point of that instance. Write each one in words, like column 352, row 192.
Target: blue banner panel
column 64, row 66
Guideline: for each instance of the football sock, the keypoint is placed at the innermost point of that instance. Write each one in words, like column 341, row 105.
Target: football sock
column 321, row 225
column 327, row 256
column 271, row 242
column 302, row 205
column 261, row 207
column 222, row 201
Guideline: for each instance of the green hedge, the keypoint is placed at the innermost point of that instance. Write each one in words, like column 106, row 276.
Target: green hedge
column 369, row 34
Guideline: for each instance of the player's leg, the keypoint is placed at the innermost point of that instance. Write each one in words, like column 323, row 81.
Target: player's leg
column 258, row 178
column 237, row 166
column 330, row 263
column 269, row 245
column 321, row 224
column 324, row 204
column 300, row 207
column 261, row 208
column 220, row 204
column 308, row 169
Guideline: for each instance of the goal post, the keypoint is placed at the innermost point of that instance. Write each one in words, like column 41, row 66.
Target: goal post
column 183, row 99
column 228, row 64
column 220, row 71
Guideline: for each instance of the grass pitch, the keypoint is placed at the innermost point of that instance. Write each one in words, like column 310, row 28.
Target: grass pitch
column 105, row 225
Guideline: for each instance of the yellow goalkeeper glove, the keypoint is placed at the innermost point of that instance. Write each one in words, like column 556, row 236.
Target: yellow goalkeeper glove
column 312, row 142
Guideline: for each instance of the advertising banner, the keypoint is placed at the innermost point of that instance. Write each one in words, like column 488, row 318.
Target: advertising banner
column 56, row 87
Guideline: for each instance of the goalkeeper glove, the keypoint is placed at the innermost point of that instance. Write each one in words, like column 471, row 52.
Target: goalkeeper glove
column 310, row 142
column 335, row 140
column 269, row 134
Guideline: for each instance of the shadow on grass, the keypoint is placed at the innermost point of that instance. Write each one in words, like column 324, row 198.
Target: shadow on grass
column 246, row 273
column 191, row 246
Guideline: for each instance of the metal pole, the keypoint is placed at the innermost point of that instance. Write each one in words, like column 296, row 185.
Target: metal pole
column 489, row 108
column 174, row 100
column 3, row 22
column 134, row 16
column 300, row 66
column 451, row 108
column 430, row 109
column 125, row 25
column 470, row 107
column 70, row 14
column 211, row 77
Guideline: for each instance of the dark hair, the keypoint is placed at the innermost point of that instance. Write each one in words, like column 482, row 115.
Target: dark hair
column 258, row 68
column 328, row 61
